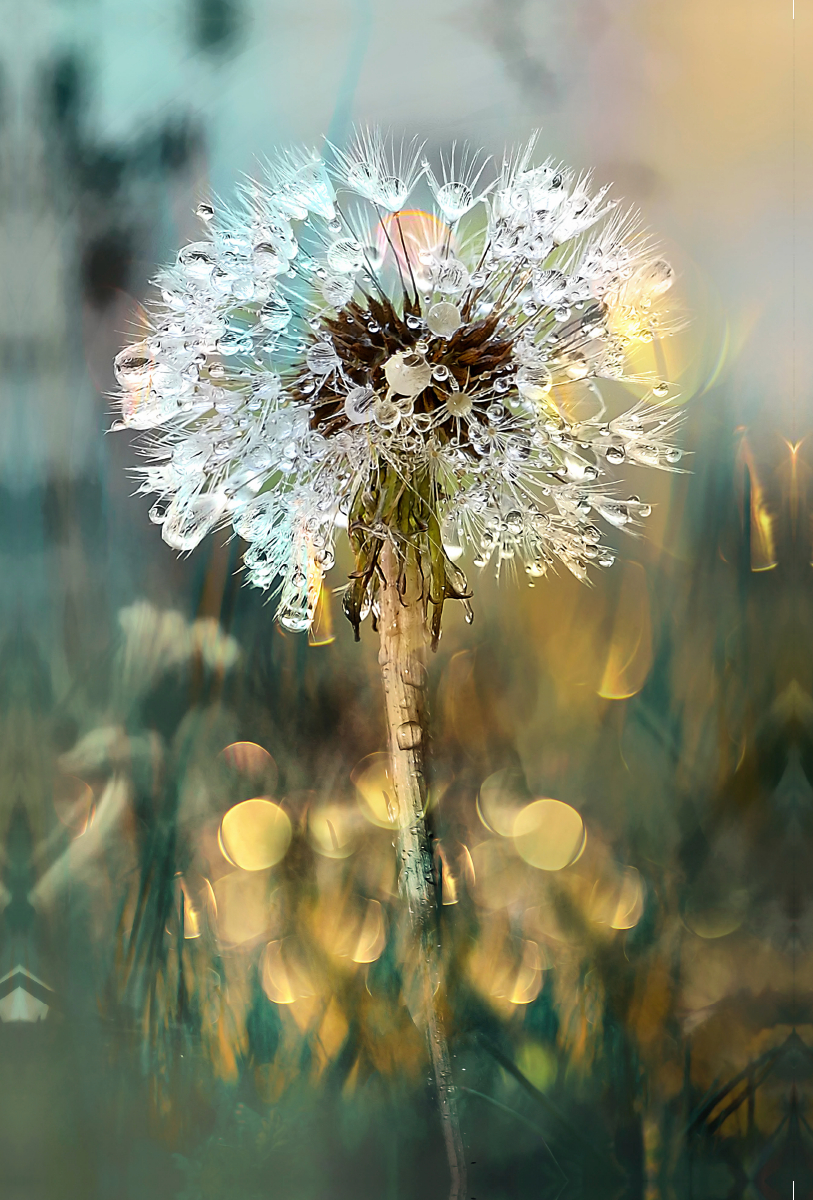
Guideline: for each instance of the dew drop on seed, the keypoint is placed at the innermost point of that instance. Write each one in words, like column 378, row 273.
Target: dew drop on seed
column 443, row 319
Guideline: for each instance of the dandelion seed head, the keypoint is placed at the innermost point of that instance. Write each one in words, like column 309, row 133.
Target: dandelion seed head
column 326, row 358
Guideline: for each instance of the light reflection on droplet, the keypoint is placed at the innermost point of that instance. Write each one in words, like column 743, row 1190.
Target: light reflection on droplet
column 549, row 834
column 255, row 834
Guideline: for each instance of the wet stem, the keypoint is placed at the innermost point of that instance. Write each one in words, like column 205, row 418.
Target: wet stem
column 403, row 634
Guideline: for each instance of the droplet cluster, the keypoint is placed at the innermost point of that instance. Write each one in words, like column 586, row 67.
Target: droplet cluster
column 326, row 358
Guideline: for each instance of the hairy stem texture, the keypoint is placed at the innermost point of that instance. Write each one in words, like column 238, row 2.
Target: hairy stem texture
column 403, row 633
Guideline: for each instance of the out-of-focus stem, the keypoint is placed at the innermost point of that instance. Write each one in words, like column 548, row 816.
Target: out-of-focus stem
column 403, row 634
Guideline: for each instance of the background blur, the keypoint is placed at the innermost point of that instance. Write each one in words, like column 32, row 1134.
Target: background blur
column 638, row 1023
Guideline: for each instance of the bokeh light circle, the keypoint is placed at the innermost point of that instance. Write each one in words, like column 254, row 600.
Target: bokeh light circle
column 549, row 834
column 255, row 834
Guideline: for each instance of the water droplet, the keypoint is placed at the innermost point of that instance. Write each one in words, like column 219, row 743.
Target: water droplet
column 614, row 455
column 534, row 383
column 674, row 455
column 409, row 735
column 386, row 414
column 275, row 314
column 322, row 358
column 335, row 225
column 205, row 211
column 454, row 200
column 358, row 405
column 661, row 389
column 415, row 675
column 443, row 319
column 440, row 372
column 345, row 256
column 133, row 366
column 294, row 619
column 407, row 373
column 413, row 322
column 421, row 347
column 452, row 277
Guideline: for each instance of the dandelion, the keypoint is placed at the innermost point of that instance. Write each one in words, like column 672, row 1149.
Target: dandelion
column 325, row 359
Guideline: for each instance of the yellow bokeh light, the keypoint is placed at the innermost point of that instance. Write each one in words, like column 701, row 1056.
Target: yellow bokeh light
column 619, row 902
column 502, row 796
column 245, row 907
column 372, row 782
column 285, row 979
column 549, row 834
column 255, row 834
column 372, row 935
column 331, row 830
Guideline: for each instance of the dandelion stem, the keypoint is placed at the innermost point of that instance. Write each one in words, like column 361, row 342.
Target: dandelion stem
column 404, row 634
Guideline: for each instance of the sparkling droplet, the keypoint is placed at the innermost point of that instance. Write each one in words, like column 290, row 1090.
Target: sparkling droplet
column 415, row 675
column 660, row 390
column 440, row 372
column 407, row 373
column 189, row 519
column 322, row 358
column 295, row 620
column 133, row 366
column 335, row 225
column 358, row 405
column 443, row 319
column 615, row 455
column 534, row 383
column 275, row 314
column 409, row 735
column 386, row 414
column 413, row 322
column 674, row 455
column 452, row 278
column 205, row 211
column 345, row 256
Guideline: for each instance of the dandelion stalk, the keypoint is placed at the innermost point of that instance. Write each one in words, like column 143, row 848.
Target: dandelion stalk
column 403, row 637
column 294, row 385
